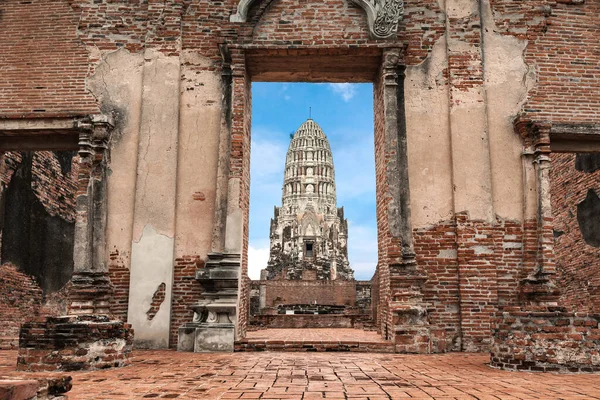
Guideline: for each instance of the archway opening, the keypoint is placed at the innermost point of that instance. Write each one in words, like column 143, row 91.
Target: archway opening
column 338, row 71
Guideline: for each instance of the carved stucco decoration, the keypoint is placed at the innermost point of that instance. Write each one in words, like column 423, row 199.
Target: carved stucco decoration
column 382, row 15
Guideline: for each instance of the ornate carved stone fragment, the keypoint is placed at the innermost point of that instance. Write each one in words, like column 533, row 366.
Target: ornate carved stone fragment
column 382, row 15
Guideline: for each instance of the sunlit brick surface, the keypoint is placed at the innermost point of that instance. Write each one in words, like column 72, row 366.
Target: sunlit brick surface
column 168, row 374
column 315, row 339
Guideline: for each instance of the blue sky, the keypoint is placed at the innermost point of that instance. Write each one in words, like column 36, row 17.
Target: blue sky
column 345, row 112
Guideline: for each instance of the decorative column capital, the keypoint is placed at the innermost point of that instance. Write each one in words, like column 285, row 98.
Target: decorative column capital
column 535, row 133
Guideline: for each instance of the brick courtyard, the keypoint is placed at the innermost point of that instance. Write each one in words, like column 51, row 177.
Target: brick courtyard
column 278, row 375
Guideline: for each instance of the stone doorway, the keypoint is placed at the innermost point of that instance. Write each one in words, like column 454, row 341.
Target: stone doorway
column 383, row 67
column 261, row 66
column 264, row 49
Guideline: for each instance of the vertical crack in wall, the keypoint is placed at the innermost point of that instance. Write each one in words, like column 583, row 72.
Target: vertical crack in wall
column 157, row 299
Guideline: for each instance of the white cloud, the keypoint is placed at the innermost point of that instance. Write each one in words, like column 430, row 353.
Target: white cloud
column 257, row 260
column 267, row 160
column 346, row 90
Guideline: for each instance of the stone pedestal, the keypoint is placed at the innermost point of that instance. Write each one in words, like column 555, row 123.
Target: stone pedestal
column 213, row 327
column 75, row 342
column 202, row 337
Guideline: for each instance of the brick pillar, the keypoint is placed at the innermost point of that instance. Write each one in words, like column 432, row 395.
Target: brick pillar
column 91, row 287
column 408, row 312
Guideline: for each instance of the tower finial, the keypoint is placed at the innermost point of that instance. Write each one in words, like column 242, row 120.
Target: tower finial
column 309, row 112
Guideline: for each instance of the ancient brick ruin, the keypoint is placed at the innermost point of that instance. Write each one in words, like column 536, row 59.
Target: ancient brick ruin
column 125, row 134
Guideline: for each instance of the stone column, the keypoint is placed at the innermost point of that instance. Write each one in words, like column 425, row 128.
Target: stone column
column 539, row 288
column 91, row 288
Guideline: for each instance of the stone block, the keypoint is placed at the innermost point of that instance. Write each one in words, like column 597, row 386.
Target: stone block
column 214, row 337
column 186, row 339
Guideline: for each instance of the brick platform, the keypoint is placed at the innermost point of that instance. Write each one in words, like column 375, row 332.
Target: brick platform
column 73, row 343
column 170, row 374
column 316, row 339
column 546, row 341
column 282, row 321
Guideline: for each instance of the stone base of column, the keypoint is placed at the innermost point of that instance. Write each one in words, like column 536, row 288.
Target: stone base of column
column 74, row 342
column 206, row 337
column 546, row 339
column 90, row 293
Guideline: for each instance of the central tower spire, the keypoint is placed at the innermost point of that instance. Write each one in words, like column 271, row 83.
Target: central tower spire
column 308, row 232
column 309, row 175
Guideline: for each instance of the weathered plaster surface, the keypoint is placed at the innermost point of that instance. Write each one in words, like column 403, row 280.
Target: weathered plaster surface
column 155, row 199
column 235, row 218
column 151, row 265
column 468, row 126
column 460, row 8
column 428, row 135
column 199, row 125
column 507, row 81
column 117, row 84
column 158, row 144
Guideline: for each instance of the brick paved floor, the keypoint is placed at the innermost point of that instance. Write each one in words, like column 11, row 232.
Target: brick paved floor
column 270, row 375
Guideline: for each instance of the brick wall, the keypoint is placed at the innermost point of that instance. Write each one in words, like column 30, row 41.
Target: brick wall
column 43, row 199
column 54, row 179
column 562, row 48
column 118, row 271
column 383, row 317
column 437, row 254
column 577, row 259
column 186, row 292
column 37, row 194
column 63, row 41
column 551, row 341
column 20, row 300
column 70, row 343
column 239, row 167
column 470, row 276
column 307, row 292
column 43, row 63
column 300, row 321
